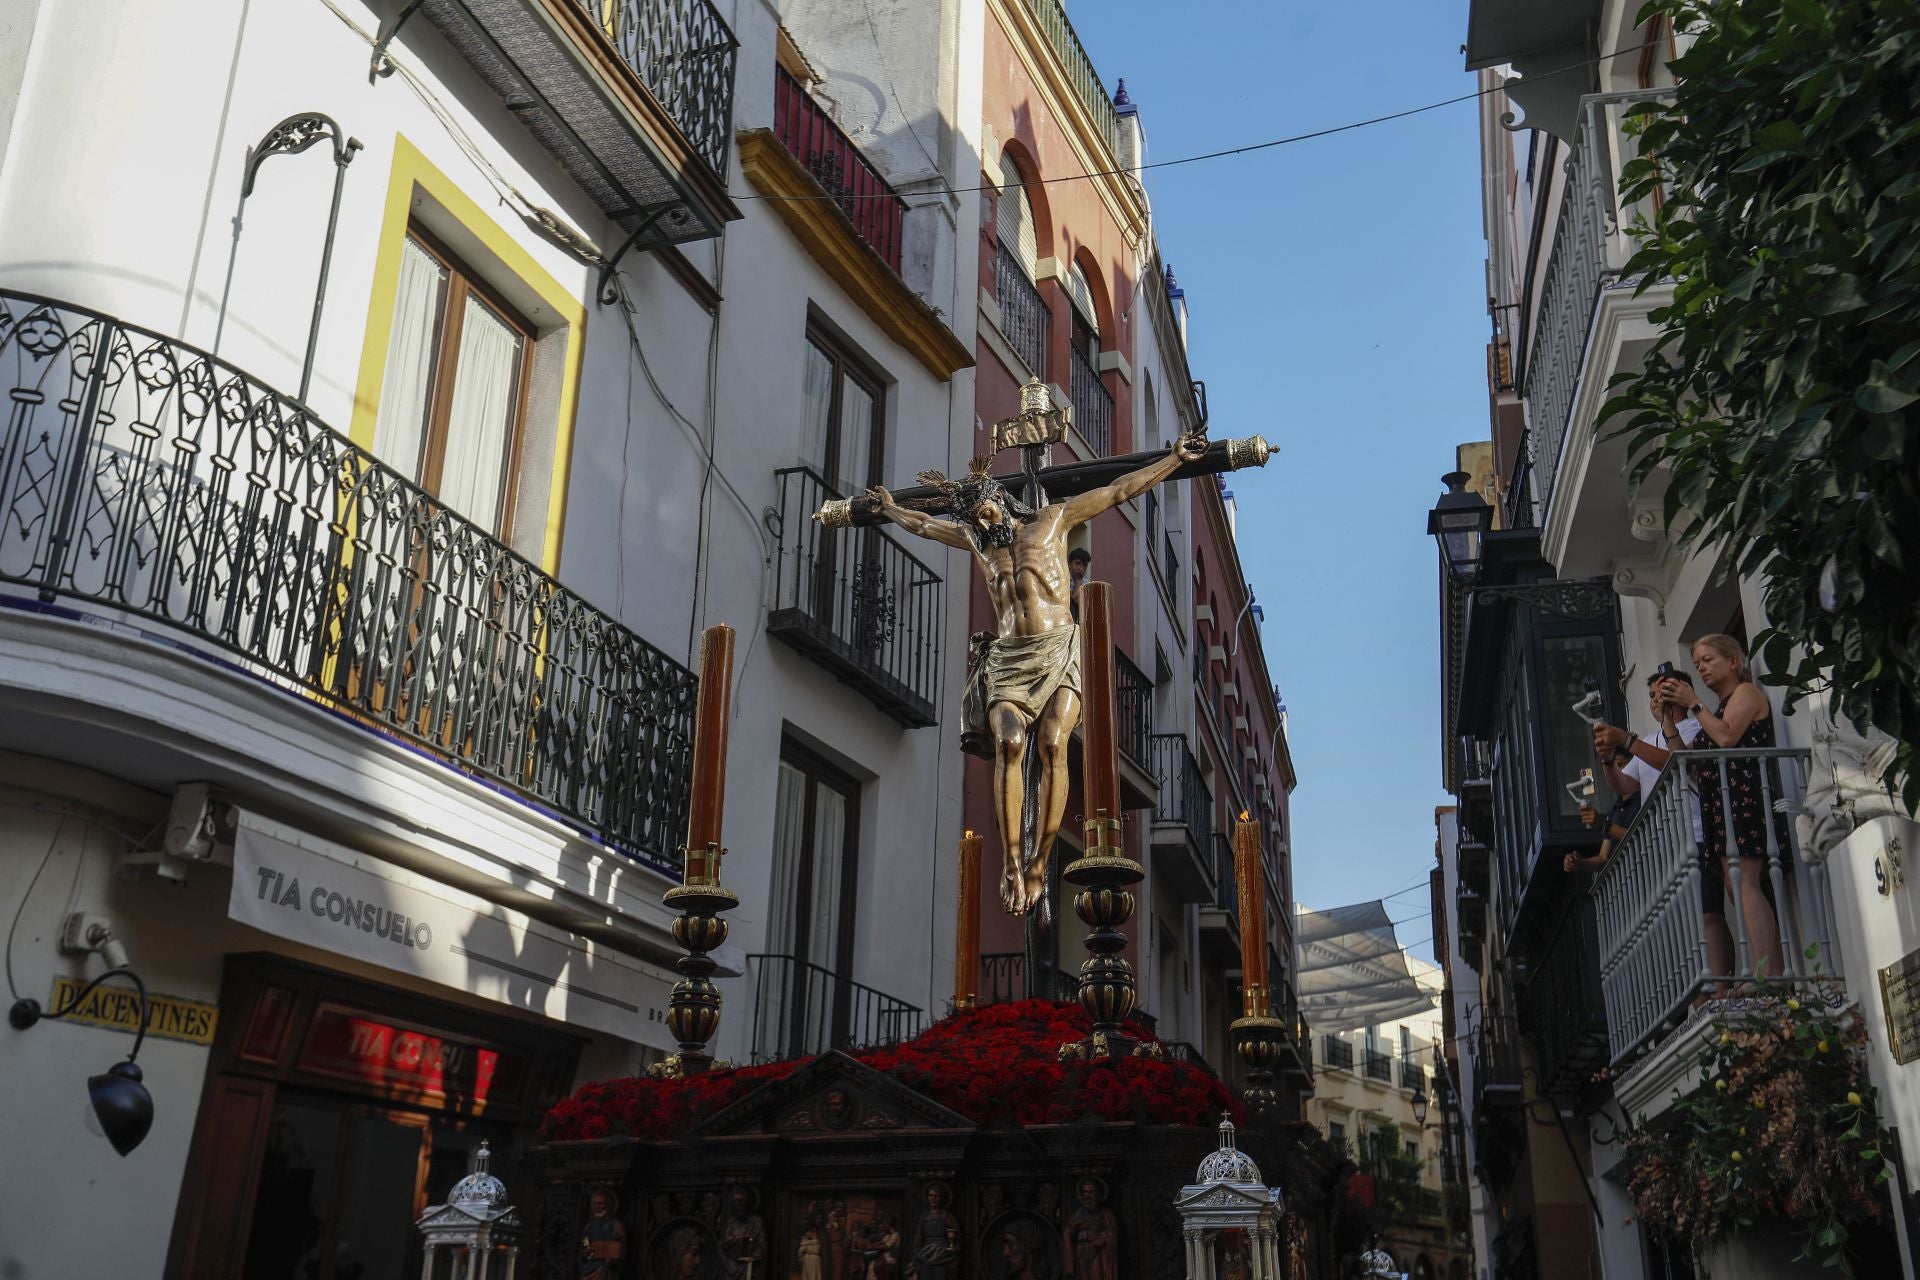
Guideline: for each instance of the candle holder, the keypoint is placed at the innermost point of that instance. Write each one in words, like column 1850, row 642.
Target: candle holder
column 1105, row 876
column 1261, row 1041
column 693, row 1006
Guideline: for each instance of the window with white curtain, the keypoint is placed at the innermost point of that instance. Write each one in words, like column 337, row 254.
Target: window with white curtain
column 802, row 1002
column 842, row 417
column 451, row 400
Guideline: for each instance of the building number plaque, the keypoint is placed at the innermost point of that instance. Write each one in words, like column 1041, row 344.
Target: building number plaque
column 1900, row 1000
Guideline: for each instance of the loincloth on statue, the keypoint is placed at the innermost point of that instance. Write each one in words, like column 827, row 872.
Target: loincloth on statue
column 1026, row 671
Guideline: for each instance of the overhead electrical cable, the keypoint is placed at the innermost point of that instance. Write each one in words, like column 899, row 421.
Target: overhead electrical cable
column 1222, row 153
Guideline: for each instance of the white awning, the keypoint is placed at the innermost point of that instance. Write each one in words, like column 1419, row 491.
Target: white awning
column 1353, row 972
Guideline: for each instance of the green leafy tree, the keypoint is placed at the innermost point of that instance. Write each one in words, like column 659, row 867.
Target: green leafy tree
column 1785, row 172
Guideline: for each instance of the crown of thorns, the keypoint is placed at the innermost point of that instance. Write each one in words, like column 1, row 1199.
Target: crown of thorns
column 974, row 488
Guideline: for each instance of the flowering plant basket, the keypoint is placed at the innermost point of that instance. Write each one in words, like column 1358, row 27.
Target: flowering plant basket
column 999, row 1066
column 1782, row 1128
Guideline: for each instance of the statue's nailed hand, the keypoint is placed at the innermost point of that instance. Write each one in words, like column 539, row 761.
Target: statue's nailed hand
column 1190, row 448
column 879, row 496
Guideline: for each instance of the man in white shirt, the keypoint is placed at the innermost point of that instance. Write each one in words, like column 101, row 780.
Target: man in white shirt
column 1632, row 771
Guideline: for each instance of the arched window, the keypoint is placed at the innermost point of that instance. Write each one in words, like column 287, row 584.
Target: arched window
column 1024, row 317
column 1019, row 234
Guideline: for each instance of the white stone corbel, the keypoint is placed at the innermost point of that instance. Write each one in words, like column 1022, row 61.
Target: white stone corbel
column 1649, row 577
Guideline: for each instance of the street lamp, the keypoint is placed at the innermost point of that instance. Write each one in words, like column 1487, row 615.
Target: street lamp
column 1420, row 1107
column 1458, row 521
column 119, row 1097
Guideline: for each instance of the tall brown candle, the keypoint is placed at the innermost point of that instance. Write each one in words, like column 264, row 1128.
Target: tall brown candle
column 1252, row 886
column 966, row 930
column 711, row 720
column 1099, row 743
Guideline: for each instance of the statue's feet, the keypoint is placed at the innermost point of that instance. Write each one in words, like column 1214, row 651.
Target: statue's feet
column 1011, row 893
column 1033, row 887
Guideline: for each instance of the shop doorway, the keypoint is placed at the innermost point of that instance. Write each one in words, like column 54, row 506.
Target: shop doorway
column 341, row 1185
column 337, row 1110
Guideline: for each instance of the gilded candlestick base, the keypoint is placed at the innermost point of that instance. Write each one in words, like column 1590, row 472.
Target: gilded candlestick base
column 1105, row 877
column 693, row 1006
column 1262, row 1044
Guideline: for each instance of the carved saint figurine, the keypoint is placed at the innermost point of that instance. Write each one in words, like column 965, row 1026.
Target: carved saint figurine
column 1031, row 673
column 936, row 1241
column 743, row 1240
column 604, row 1241
column 1092, row 1237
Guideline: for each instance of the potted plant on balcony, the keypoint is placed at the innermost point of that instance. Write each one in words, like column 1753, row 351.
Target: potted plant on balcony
column 1781, row 1133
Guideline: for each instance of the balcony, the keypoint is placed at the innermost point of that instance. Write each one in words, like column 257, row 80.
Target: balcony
column 1052, row 17
column 1653, row 962
column 1562, row 1007
column 1220, row 918
column 1412, row 1074
column 1375, row 1065
column 1092, row 404
column 801, row 1010
column 1003, row 977
column 1476, row 865
column 1339, row 1053
column 1472, row 910
column 871, row 204
column 858, row 603
column 1182, row 820
column 633, row 98
column 149, row 478
column 1496, row 1062
column 1025, row 318
column 1181, row 1051
column 1586, row 326
column 1133, row 708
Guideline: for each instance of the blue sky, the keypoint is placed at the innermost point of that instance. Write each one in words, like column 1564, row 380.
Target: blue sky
column 1337, row 297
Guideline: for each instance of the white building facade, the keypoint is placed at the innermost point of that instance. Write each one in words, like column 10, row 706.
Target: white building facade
column 1609, row 1005
column 355, row 717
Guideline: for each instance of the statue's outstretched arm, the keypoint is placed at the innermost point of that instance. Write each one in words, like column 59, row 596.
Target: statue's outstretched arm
column 919, row 522
column 1085, row 506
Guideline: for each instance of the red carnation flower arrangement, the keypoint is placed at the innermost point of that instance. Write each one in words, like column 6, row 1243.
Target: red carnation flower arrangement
column 997, row 1066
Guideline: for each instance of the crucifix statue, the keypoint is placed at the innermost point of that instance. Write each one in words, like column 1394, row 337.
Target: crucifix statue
column 1026, row 676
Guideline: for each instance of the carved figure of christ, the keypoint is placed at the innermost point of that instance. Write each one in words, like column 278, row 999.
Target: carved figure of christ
column 1033, row 671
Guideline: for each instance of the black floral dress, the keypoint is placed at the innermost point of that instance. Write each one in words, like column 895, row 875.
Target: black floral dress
column 1748, row 799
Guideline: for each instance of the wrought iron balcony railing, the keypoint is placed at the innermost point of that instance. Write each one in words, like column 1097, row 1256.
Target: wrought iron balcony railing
column 1590, row 246
column 1181, row 1051
column 1339, row 1052
column 1052, row 17
column 811, row 137
column 1651, row 934
column 1412, row 1074
column 1184, row 798
column 1496, row 1060
column 801, row 1009
column 1226, row 892
column 1133, row 703
column 1003, row 977
column 684, row 53
column 858, row 603
column 147, row 476
column 1565, row 1013
column 1377, row 1066
column 1025, row 318
column 1092, row 405
column 1516, row 506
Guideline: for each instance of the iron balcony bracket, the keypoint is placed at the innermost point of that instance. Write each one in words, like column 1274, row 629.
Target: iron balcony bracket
column 379, row 67
column 609, row 274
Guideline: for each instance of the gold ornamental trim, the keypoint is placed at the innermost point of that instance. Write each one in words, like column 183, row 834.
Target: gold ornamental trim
column 829, row 237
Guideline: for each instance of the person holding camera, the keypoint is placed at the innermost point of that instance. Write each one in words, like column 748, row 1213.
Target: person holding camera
column 1633, row 766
